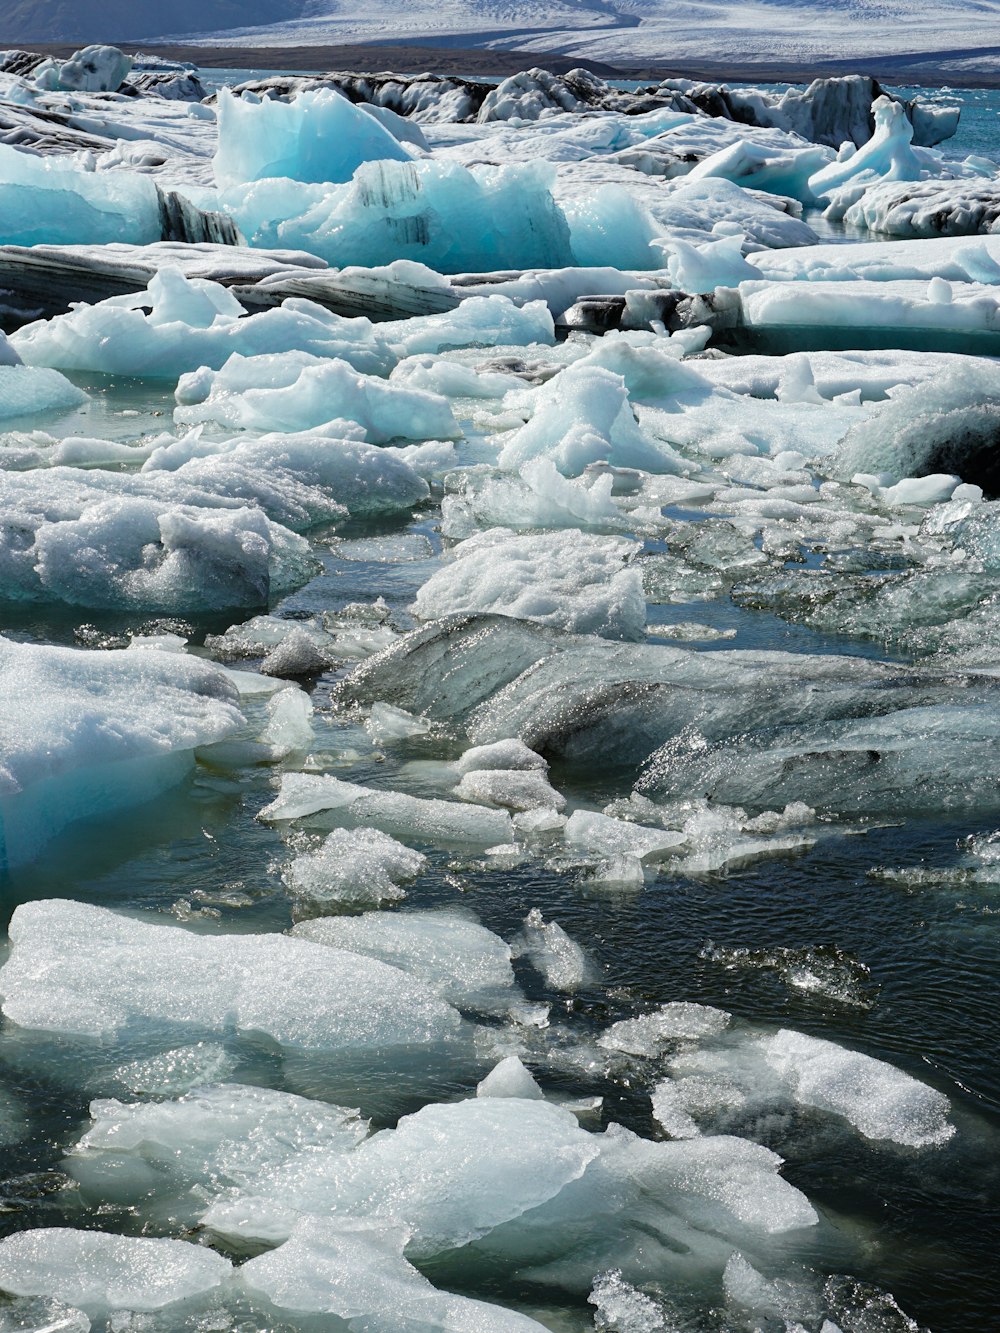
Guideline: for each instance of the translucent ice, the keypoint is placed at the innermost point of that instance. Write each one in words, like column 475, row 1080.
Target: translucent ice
column 220, row 1139
column 51, row 200
column 393, row 812
column 87, row 733
column 99, row 1272
column 561, row 961
column 450, row 1173
column 361, row 867
column 356, row 1271
column 457, row 957
column 317, row 136
column 114, row 971
column 449, row 217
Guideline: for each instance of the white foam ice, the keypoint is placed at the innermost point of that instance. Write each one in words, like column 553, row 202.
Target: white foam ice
column 115, row 972
column 396, row 813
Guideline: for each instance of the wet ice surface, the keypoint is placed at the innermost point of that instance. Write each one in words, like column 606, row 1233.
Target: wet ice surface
column 503, row 819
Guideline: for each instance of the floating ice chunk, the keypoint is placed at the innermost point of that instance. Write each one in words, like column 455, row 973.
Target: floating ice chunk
column 702, row 268
column 701, row 203
column 560, row 960
column 95, row 69
column 393, row 812
column 583, row 416
column 450, row 1173
column 366, row 479
column 621, row 1309
column 99, row 1272
column 605, row 836
column 50, row 200
column 847, row 304
column 294, row 391
column 289, row 727
column 780, row 165
column 214, row 1141
column 356, row 1271
column 317, row 136
column 569, row 581
column 85, row 734
column 750, row 1075
column 180, row 324
column 31, row 391
column 886, row 156
column 296, row 655
column 446, row 216
column 40, row 1314
column 509, row 1079
column 664, row 1027
column 878, row 1100
column 457, row 957
column 357, row 867
column 540, row 498
column 514, row 789
column 480, row 321
column 512, row 754
column 114, row 971
column 928, row 208
column 387, row 724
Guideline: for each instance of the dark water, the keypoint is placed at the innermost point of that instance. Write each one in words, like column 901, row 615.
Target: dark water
column 920, row 1223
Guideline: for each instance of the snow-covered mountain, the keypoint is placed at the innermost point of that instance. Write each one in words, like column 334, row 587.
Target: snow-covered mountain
column 942, row 33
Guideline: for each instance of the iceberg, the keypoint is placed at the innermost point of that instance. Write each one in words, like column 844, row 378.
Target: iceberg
column 318, row 136
column 51, row 200
column 87, row 734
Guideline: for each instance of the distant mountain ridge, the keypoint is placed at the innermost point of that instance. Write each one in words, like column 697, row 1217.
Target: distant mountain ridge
column 943, row 34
